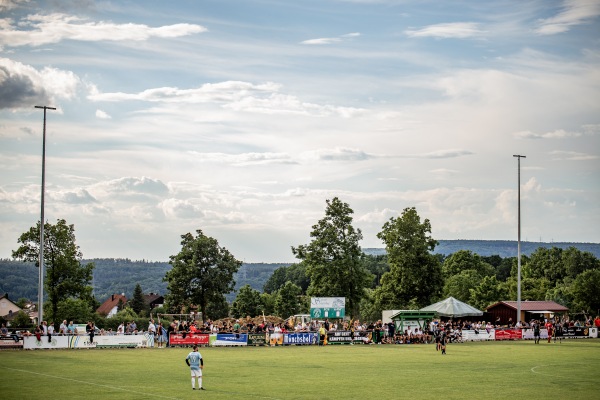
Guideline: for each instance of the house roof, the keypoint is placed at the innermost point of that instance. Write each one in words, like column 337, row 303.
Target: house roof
column 531, row 306
column 110, row 303
column 152, row 297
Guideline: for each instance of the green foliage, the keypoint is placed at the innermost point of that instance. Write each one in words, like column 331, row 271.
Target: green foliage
column 368, row 310
column 202, row 271
column 586, row 292
column 415, row 275
column 333, row 257
column 288, row 300
column 76, row 310
column 66, row 276
column 377, row 265
column 137, row 301
column 217, row 308
column 267, row 303
column 295, row 273
column 246, row 303
column 22, row 320
column 460, row 285
column 486, row 293
column 464, row 260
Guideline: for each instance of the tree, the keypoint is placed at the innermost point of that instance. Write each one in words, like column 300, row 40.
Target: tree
column 22, row 320
column 377, row 265
column 137, row 301
column 288, row 301
column 488, row 292
column 295, row 273
column 247, row 302
column 586, row 296
column 464, row 260
column 333, row 257
column 202, row 271
column 267, row 303
column 415, row 275
column 217, row 308
column 460, row 285
column 66, row 277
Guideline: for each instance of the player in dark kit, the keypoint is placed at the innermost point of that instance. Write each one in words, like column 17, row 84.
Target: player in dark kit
column 443, row 341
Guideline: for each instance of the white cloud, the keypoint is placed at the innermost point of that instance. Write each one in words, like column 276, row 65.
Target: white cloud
column 557, row 134
column 457, row 30
column 245, row 159
column 331, row 40
column 572, row 156
column 102, row 115
column 575, row 12
column 53, row 28
column 22, row 85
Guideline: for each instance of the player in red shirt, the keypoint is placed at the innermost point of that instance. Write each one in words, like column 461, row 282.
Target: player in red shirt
column 550, row 329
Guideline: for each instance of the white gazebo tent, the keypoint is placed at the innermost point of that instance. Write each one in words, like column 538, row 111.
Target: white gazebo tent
column 453, row 308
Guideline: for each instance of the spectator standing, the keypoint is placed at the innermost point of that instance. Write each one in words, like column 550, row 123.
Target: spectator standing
column 152, row 330
column 50, row 331
column 90, row 329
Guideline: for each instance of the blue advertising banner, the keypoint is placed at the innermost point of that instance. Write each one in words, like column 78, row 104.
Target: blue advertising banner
column 229, row 339
column 301, row 338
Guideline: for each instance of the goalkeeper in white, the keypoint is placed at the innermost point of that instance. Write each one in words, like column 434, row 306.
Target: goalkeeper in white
column 196, row 364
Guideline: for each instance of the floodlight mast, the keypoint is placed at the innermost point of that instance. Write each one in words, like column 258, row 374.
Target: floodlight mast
column 41, row 256
column 518, row 236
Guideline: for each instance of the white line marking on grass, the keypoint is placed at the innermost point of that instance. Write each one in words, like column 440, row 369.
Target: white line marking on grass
column 91, row 383
column 244, row 394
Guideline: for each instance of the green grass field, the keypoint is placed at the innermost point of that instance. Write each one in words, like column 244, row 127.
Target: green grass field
column 491, row 370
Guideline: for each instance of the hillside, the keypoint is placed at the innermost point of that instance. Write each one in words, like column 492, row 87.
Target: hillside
column 20, row 279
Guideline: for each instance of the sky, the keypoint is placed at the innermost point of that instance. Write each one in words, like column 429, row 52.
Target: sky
column 243, row 117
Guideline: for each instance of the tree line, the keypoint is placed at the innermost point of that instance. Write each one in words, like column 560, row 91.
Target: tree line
column 408, row 276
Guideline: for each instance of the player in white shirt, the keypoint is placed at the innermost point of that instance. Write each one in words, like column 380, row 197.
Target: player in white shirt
column 196, row 364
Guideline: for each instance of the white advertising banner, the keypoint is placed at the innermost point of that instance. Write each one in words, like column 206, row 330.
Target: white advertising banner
column 83, row 342
column 528, row 334
column 471, row 335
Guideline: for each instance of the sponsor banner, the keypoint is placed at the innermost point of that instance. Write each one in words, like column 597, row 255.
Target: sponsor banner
column 593, row 331
column 337, row 337
column 469, row 335
column 179, row 339
column 362, row 337
column 57, row 342
column 576, row 332
column 327, row 307
column 257, row 339
column 275, row 339
column 122, row 341
column 10, row 342
column 528, row 334
column 229, row 339
column 301, row 338
column 507, row 334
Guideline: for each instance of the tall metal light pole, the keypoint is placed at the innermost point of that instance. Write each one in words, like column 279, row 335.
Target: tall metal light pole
column 41, row 256
column 519, row 237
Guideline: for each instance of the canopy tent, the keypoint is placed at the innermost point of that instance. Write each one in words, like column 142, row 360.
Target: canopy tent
column 453, row 308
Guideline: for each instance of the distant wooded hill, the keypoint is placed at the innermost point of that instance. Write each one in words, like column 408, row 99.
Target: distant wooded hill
column 111, row 276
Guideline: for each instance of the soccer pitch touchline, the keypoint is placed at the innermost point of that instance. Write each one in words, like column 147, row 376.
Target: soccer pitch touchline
column 91, row 383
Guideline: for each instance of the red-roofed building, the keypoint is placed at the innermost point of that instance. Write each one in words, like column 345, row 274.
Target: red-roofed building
column 112, row 305
column 529, row 310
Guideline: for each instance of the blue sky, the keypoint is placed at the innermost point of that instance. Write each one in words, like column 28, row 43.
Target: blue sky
column 241, row 118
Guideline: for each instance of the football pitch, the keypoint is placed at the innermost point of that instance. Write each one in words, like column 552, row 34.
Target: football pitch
column 491, row 370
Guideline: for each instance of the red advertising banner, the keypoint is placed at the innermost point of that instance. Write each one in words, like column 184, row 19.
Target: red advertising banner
column 508, row 334
column 178, row 339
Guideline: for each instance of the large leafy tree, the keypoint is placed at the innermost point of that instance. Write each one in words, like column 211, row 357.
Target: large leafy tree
column 586, row 296
column 247, row 302
column 288, row 300
column 460, row 285
column 415, row 275
column 333, row 257
column 66, row 277
column 487, row 292
column 464, row 260
column 201, row 272
column 295, row 273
